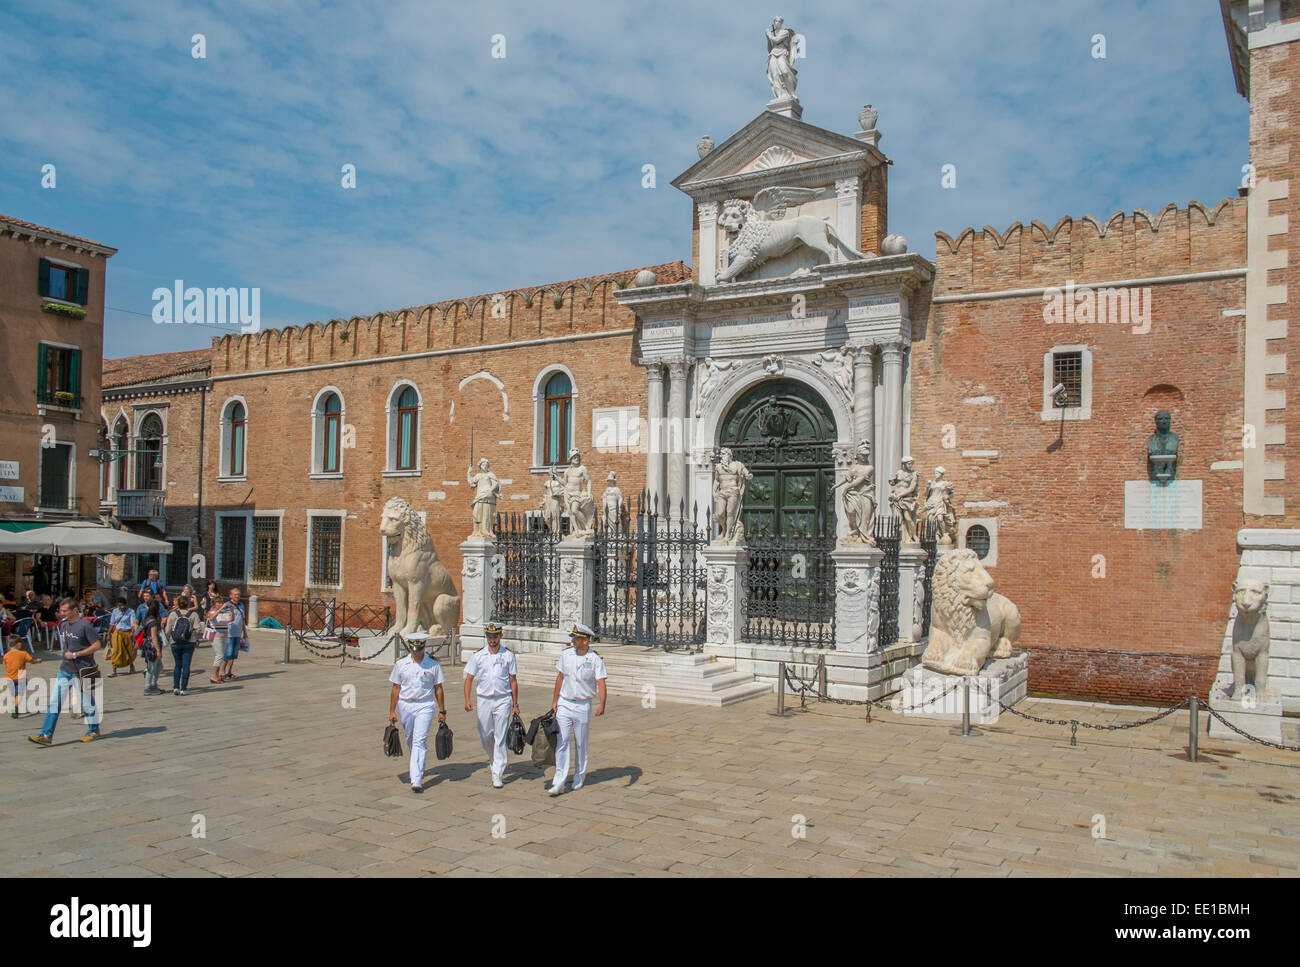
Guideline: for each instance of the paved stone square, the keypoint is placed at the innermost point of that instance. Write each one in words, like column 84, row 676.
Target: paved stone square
column 289, row 782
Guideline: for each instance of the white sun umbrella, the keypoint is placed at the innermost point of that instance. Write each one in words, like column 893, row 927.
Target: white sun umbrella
column 79, row 537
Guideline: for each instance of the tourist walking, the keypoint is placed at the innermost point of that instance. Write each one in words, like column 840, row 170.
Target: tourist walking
column 151, row 646
column 182, row 632
column 580, row 679
column 79, row 671
column 121, row 649
column 498, row 696
column 229, row 621
column 417, row 688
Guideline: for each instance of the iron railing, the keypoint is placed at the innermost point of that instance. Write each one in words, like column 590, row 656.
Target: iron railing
column 927, row 531
column 527, row 587
column 791, row 588
column 886, row 533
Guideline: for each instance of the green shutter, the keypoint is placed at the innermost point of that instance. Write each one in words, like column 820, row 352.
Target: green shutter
column 74, row 372
column 41, row 363
column 83, row 286
column 43, row 280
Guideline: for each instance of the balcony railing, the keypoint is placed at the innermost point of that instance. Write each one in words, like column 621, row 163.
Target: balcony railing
column 50, row 397
column 140, row 505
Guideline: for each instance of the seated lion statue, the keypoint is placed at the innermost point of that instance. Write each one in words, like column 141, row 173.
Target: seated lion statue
column 424, row 597
column 969, row 623
column 1250, row 639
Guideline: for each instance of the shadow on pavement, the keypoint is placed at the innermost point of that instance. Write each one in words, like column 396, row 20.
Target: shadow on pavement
column 633, row 773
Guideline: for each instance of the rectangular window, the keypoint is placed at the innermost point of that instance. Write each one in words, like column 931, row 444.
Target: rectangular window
column 266, row 550
column 61, row 282
column 66, row 282
column 326, row 550
column 58, row 376
column 178, row 564
column 237, row 448
column 1067, row 370
column 232, row 558
column 331, row 443
column 56, row 476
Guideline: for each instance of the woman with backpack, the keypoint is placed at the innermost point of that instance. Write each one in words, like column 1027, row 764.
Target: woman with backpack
column 151, row 647
column 182, row 630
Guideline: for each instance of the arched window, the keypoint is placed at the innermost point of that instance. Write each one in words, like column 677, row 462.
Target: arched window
column 234, row 438
column 327, row 433
column 105, row 466
column 557, row 417
column 118, row 474
column 404, row 429
column 148, row 457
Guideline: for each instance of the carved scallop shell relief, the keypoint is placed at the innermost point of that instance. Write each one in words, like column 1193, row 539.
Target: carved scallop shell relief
column 777, row 156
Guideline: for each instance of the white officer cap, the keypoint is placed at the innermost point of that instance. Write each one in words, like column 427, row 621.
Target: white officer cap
column 416, row 639
column 582, row 630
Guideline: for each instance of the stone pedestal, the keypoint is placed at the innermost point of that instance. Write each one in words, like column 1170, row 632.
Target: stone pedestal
column 857, row 597
column 477, row 576
column 726, row 599
column 926, row 693
column 1259, row 715
column 577, row 582
column 911, row 591
column 788, row 106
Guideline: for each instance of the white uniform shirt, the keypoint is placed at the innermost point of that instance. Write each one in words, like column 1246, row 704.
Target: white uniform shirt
column 417, row 681
column 491, row 672
column 581, row 672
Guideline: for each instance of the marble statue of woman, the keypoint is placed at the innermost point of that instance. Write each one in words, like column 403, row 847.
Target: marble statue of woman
column 860, row 498
column 553, row 501
column 487, row 491
column 780, row 60
column 939, row 509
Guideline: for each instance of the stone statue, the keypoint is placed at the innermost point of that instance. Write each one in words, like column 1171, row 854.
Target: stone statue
column 754, row 239
column 839, row 363
column 1162, row 450
column 860, row 498
column 729, row 481
column 710, row 375
column 939, row 509
column 578, row 500
column 1250, row 637
column 902, row 498
column 780, row 60
column 487, row 491
column 611, row 503
column 553, row 501
column 424, row 597
column 969, row 623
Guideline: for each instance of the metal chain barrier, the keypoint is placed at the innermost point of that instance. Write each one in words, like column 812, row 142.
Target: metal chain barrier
column 1246, row 735
column 1076, row 724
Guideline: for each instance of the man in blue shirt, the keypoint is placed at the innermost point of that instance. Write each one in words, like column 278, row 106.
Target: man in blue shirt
column 153, row 585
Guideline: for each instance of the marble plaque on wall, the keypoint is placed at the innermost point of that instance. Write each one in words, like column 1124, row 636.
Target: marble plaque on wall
column 1153, row 506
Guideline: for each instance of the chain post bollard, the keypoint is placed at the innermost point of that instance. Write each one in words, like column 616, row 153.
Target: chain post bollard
column 287, row 634
column 965, row 707
column 780, row 689
column 821, row 676
column 1193, row 713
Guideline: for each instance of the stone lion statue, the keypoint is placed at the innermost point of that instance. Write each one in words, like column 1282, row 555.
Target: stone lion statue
column 424, row 597
column 757, row 241
column 1250, row 636
column 969, row 623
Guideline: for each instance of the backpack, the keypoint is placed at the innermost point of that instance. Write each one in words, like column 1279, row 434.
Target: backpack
column 181, row 631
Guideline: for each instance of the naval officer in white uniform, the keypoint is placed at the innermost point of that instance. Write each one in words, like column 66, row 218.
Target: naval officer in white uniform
column 498, row 696
column 581, row 679
column 417, row 686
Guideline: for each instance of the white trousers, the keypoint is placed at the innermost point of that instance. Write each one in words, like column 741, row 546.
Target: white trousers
column 417, row 718
column 493, row 726
column 575, row 718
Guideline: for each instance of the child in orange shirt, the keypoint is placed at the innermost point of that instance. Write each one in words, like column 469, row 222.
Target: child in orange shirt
column 16, row 661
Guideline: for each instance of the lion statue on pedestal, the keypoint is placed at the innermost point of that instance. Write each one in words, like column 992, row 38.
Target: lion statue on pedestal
column 969, row 623
column 424, row 596
column 755, row 239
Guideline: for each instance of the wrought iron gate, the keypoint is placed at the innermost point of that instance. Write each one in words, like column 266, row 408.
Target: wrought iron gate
column 886, row 533
column 527, row 587
column 650, row 579
column 927, row 531
column 791, row 587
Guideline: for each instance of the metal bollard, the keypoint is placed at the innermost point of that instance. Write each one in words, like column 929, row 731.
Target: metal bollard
column 780, row 689
column 1193, row 715
column 287, row 635
column 965, row 707
column 822, row 677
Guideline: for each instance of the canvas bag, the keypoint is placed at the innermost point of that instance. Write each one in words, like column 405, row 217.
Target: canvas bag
column 545, row 733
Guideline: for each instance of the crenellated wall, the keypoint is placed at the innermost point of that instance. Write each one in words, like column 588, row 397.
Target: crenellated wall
column 1173, row 241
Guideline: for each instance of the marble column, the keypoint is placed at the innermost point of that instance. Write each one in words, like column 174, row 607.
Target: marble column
column 727, row 596
column 577, row 601
column 676, row 440
column 891, row 354
column 848, row 214
column 707, row 213
column 864, row 396
column 857, row 597
column 654, row 442
column 911, row 591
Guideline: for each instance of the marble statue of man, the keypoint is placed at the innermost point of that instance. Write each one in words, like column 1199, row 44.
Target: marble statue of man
column 780, row 60
column 902, row 498
column 860, row 498
column 611, row 503
column 710, row 375
column 487, row 491
column 553, row 501
column 1162, row 449
column 578, row 499
column 939, row 509
column 728, row 495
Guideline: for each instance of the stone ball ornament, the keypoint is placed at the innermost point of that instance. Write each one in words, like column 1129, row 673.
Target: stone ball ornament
column 893, row 245
column 644, row 278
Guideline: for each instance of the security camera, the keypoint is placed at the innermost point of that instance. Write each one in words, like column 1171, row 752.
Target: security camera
column 1059, row 397
column 1058, row 389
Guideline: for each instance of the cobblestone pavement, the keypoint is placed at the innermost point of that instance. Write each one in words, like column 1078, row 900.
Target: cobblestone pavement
column 290, row 782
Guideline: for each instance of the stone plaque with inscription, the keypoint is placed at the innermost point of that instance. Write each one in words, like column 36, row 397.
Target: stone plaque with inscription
column 1175, row 505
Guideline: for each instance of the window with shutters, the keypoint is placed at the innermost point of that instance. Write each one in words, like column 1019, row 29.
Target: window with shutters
column 554, row 403
column 58, row 376
column 266, row 550
column 232, row 547
column 327, row 433
column 324, row 549
column 56, row 477
column 68, row 283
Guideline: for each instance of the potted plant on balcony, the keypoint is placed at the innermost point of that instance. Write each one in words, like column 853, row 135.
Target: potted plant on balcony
column 64, row 397
column 62, row 309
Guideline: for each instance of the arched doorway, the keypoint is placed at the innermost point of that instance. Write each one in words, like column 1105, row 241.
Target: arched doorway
column 783, row 431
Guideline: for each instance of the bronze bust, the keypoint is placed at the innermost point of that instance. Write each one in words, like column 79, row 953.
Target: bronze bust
column 1162, row 450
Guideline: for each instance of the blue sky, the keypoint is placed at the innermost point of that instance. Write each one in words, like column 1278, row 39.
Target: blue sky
column 477, row 174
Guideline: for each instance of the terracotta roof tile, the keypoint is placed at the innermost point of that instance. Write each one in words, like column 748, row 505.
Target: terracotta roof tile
column 140, row 369
column 9, row 220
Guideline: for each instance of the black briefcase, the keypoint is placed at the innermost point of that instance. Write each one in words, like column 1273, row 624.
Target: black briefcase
column 392, row 740
column 515, row 735
column 442, row 742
